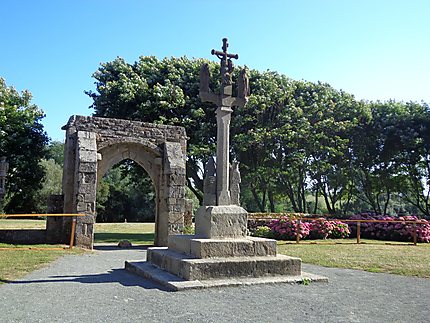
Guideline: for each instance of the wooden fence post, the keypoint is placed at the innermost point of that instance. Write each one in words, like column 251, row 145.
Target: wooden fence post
column 72, row 233
column 298, row 231
column 358, row 231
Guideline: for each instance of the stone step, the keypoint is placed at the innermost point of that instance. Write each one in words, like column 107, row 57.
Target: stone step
column 215, row 248
column 174, row 283
column 192, row 268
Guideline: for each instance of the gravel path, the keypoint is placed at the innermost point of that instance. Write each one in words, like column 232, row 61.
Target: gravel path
column 94, row 288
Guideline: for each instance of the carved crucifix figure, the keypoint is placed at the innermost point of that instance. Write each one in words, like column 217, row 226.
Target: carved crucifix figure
column 224, row 101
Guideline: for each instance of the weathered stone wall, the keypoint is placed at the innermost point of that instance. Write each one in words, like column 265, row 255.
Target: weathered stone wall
column 94, row 145
column 152, row 135
column 57, row 227
column 174, row 184
column 31, row 236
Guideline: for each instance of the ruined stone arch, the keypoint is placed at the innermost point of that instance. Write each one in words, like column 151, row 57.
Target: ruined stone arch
column 112, row 153
column 93, row 145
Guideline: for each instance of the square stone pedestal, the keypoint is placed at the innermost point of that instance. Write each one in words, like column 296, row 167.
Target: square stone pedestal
column 219, row 254
column 224, row 221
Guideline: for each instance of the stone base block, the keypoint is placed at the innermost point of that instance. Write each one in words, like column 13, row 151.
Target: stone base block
column 215, row 248
column 175, row 283
column 224, row 221
column 191, row 268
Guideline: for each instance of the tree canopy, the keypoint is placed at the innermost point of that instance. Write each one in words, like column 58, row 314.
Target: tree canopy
column 302, row 146
column 22, row 141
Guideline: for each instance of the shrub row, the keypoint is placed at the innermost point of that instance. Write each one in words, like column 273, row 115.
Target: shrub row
column 391, row 231
column 285, row 228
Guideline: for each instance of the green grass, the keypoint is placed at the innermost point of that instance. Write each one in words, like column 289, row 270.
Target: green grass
column 136, row 233
column 372, row 255
column 6, row 224
column 17, row 262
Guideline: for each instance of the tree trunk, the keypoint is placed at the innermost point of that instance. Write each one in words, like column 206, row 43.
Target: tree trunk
column 198, row 194
column 257, row 200
column 271, row 201
column 316, row 201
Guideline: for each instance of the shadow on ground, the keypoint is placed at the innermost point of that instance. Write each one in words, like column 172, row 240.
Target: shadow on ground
column 113, row 276
column 114, row 247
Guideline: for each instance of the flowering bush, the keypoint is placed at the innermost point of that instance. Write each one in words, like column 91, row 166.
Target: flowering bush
column 263, row 232
column 286, row 229
column 399, row 231
column 321, row 228
column 340, row 230
column 253, row 224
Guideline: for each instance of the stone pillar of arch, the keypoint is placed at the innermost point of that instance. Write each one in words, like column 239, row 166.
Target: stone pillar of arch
column 93, row 145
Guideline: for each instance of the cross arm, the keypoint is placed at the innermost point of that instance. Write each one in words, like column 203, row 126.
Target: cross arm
column 210, row 97
column 218, row 53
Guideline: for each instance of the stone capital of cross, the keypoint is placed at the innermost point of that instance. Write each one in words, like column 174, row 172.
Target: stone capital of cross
column 225, row 100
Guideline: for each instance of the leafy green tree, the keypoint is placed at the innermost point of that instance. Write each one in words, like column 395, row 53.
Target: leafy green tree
column 413, row 158
column 293, row 139
column 22, row 141
column 51, row 184
column 164, row 92
column 55, row 151
column 126, row 194
column 380, row 149
column 332, row 117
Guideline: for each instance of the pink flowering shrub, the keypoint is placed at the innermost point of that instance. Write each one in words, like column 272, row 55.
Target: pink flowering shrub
column 391, row 231
column 340, row 230
column 321, row 228
column 286, row 228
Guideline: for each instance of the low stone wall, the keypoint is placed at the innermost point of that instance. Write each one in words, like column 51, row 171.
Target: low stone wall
column 34, row 236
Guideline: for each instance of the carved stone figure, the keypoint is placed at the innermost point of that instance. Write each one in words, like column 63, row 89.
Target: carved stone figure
column 209, row 183
column 235, row 183
column 243, row 85
column 204, row 78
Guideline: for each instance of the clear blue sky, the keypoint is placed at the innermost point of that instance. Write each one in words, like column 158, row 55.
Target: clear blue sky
column 374, row 49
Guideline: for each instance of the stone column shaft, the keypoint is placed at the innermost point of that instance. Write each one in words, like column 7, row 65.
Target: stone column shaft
column 223, row 114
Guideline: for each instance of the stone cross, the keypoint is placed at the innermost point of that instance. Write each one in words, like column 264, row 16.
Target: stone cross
column 224, row 101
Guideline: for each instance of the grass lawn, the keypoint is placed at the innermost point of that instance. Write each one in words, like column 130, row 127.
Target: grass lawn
column 372, row 255
column 19, row 262
column 22, row 224
column 136, row 233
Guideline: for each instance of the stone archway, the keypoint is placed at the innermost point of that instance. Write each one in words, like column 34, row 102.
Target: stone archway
column 93, row 145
